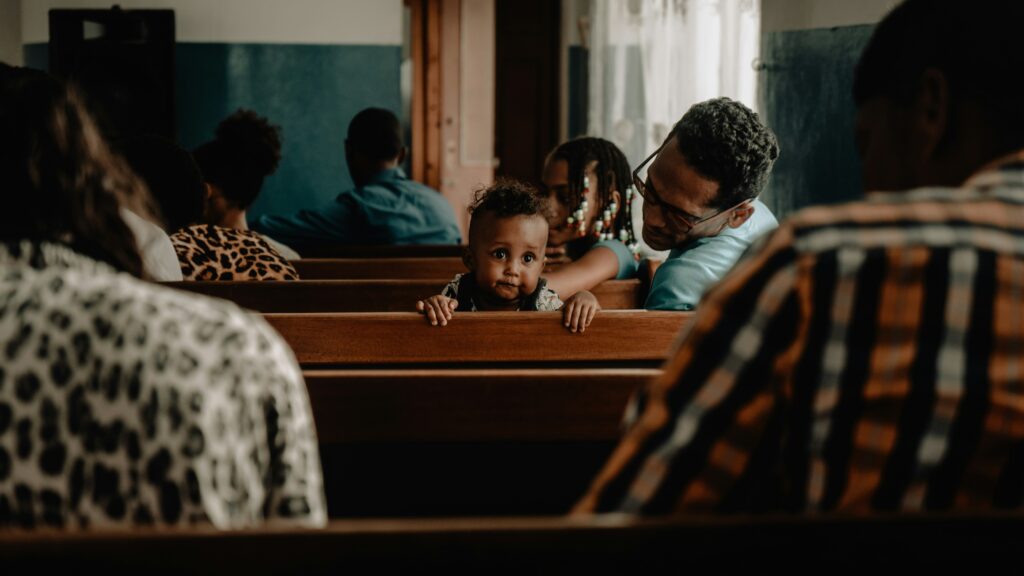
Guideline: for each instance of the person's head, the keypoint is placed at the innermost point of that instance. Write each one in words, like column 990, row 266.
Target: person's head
column 59, row 181
column 374, row 143
column 704, row 177
column 172, row 177
column 938, row 92
column 245, row 150
column 508, row 232
column 594, row 171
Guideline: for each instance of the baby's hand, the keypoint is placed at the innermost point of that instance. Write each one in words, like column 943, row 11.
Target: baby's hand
column 438, row 309
column 579, row 311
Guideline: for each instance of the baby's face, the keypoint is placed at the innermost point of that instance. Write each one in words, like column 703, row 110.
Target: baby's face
column 507, row 256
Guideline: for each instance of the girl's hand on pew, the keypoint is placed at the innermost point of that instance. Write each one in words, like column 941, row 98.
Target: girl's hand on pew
column 579, row 311
column 438, row 309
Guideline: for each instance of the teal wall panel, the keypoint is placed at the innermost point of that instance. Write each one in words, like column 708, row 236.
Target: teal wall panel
column 311, row 91
column 36, row 55
column 806, row 97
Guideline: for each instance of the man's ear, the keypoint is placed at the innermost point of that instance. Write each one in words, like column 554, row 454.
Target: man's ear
column 740, row 214
column 931, row 112
column 401, row 156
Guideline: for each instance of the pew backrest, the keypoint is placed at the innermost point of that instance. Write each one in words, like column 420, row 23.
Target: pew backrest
column 608, row 544
column 475, row 405
column 385, row 251
column 635, row 338
column 378, row 268
column 381, row 268
column 367, row 295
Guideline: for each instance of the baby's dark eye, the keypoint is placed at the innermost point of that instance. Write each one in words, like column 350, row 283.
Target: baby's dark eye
column 529, row 258
column 500, row 253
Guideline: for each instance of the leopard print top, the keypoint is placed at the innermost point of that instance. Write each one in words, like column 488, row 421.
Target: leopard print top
column 209, row 252
column 126, row 403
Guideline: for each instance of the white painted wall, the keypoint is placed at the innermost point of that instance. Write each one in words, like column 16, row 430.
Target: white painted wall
column 779, row 15
column 467, row 101
column 10, row 32
column 377, row 22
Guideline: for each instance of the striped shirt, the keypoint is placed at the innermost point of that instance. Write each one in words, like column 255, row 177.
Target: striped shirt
column 865, row 357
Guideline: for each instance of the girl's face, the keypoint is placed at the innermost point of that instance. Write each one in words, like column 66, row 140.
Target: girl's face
column 556, row 183
column 507, row 257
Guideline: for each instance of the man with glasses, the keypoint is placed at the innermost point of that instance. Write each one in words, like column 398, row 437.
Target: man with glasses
column 869, row 356
column 700, row 198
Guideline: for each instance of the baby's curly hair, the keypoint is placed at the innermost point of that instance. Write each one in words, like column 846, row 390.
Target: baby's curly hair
column 725, row 141
column 507, row 198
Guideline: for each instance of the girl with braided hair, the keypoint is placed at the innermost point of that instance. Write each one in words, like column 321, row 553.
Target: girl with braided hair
column 588, row 185
column 246, row 150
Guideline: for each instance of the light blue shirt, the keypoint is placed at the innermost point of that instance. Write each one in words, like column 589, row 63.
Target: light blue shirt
column 682, row 279
column 389, row 209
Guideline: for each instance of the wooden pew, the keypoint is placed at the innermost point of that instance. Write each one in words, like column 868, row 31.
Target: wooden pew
column 367, row 295
column 444, row 268
column 440, row 268
column 384, row 251
column 474, row 405
column 616, row 337
column 764, row 544
column 478, row 442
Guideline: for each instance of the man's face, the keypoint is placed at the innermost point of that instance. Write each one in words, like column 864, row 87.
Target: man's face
column 886, row 145
column 671, row 181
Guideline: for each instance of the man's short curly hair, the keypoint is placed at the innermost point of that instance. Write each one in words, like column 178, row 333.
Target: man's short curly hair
column 507, row 198
column 725, row 141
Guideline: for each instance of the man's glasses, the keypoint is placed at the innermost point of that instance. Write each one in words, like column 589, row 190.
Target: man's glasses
column 677, row 218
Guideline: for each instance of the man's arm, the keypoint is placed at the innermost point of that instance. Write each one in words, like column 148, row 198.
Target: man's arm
column 701, row 421
column 333, row 223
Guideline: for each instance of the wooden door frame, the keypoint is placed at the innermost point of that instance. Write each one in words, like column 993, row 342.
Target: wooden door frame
column 425, row 24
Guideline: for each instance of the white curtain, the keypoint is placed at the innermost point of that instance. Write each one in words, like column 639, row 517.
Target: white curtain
column 650, row 60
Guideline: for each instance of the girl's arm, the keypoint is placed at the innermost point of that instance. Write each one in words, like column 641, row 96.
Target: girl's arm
column 600, row 263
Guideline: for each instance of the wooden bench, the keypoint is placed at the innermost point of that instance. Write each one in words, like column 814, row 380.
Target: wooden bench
column 636, row 338
column 366, row 295
column 552, row 430
column 384, row 251
column 441, row 268
column 373, row 268
column 475, row 405
column 984, row 542
column 478, row 442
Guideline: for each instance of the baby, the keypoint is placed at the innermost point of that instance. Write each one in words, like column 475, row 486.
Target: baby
column 508, row 234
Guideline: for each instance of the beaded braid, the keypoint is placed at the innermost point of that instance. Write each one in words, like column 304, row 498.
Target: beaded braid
column 612, row 171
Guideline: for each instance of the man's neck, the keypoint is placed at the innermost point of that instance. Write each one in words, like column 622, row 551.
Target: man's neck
column 363, row 179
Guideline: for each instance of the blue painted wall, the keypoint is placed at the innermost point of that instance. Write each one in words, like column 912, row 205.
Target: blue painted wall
column 806, row 93
column 311, row 91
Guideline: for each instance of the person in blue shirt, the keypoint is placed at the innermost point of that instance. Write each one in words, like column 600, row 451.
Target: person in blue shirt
column 385, row 207
column 700, row 202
